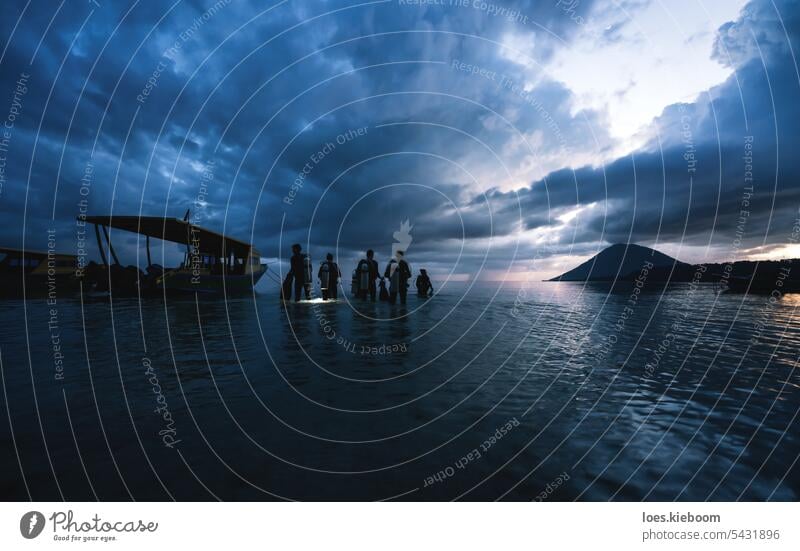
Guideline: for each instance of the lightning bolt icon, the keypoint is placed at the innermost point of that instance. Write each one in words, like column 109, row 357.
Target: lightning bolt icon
column 33, row 522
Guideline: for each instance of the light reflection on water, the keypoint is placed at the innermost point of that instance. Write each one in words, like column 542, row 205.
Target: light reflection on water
column 320, row 401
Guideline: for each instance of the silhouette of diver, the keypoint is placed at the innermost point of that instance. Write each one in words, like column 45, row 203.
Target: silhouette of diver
column 329, row 276
column 424, row 285
column 398, row 272
column 300, row 273
column 367, row 273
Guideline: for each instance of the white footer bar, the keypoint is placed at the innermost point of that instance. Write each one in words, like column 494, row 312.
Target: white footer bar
column 400, row 526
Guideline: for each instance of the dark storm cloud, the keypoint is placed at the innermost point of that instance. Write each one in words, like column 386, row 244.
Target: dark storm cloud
column 384, row 112
column 225, row 82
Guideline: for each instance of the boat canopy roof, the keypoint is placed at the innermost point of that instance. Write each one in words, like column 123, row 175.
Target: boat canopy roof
column 32, row 253
column 177, row 231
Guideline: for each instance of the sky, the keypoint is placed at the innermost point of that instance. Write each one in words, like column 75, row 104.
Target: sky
column 501, row 141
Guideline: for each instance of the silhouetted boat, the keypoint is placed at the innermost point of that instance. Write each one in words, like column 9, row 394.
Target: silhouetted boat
column 213, row 263
column 761, row 285
column 25, row 273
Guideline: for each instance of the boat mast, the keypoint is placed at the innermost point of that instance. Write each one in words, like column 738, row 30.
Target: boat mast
column 100, row 245
column 147, row 244
column 110, row 246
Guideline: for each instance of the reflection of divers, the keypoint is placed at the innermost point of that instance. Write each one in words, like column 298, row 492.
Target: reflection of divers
column 398, row 272
column 307, row 274
column 354, row 283
column 362, row 276
column 300, row 273
column 424, row 285
column 365, row 276
column 329, row 275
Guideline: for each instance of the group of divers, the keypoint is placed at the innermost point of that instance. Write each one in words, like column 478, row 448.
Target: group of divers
column 364, row 281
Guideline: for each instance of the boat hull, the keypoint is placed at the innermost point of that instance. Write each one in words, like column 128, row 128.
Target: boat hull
column 187, row 283
column 37, row 285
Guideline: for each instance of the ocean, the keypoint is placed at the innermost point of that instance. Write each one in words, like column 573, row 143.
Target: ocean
column 487, row 391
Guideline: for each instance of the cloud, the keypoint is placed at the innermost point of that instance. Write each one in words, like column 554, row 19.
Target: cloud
column 465, row 133
column 715, row 172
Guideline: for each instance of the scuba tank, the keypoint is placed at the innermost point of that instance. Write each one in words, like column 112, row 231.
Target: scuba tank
column 354, row 283
column 307, row 278
column 324, row 276
column 384, row 294
column 363, row 279
column 394, row 276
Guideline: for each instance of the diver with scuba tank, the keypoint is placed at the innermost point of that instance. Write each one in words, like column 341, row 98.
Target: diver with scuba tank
column 398, row 272
column 424, row 285
column 301, row 272
column 329, row 276
column 366, row 274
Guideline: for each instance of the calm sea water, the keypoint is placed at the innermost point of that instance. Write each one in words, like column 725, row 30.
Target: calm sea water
column 550, row 391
